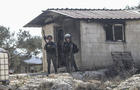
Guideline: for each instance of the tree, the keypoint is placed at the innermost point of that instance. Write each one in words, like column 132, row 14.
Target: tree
column 6, row 38
column 138, row 7
column 129, row 8
column 134, row 7
column 7, row 41
column 24, row 40
column 30, row 43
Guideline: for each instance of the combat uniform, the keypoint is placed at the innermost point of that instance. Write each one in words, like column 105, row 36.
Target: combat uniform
column 50, row 48
column 69, row 49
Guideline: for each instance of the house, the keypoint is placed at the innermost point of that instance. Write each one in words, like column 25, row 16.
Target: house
column 97, row 32
column 34, row 64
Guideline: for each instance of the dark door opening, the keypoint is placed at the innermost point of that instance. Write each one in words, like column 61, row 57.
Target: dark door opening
column 59, row 41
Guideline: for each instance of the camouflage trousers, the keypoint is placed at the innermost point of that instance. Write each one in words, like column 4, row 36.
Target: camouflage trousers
column 53, row 58
column 70, row 63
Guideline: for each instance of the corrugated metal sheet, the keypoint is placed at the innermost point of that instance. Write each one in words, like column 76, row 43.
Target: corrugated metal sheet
column 33, row 60
column 99, row 14
column 86, row 14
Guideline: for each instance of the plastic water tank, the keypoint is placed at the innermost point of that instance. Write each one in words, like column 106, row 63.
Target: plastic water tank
column 4, row 67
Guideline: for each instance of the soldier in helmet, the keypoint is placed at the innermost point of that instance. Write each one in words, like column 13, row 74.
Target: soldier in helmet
column 69, row 49
column 50, row 48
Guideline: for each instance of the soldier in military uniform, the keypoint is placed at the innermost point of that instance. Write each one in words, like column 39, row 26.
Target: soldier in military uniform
column 69, row 49
column 50, row 48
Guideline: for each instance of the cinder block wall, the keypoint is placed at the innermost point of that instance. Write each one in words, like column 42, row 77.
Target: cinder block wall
column 96, row 52
column 133, row 39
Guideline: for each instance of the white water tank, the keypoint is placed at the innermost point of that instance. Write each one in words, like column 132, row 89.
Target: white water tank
column 4, row 67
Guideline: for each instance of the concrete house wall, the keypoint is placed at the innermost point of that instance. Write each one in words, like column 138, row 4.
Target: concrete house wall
column 133, row 39
column 96, row 52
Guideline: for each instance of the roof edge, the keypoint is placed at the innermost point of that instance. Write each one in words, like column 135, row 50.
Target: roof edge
column 38, row 21
column 82, row 9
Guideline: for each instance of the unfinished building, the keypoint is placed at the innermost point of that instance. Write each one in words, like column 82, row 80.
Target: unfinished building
column 97, row 32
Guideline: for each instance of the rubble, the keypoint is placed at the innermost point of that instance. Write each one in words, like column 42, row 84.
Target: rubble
column 88, row 80
column 132, row 83
column 62, row 81
column 2, row 87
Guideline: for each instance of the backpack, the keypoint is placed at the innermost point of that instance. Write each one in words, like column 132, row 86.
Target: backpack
column 75, row 48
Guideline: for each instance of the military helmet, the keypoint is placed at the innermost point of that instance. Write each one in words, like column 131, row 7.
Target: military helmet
column 49, row 36
column 67, row 35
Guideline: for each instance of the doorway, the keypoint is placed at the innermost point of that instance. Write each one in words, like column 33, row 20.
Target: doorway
column 59, row 33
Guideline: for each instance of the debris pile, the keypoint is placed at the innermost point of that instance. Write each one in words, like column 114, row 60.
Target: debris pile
column 62, row 81
column 132, row 83
column 88, row 80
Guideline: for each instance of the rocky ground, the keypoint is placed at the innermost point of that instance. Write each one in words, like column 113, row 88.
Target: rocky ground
column 88, row 80
column 132, row 83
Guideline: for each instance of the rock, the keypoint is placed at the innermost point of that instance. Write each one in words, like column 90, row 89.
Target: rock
column 81, row 85
column 61, row 86
column 2, row 87
column 108, row 88
column 95, row 81
column 132, row 83
column 134, row 88
column 108, row 83
column 77, row 75
column 62, row 69
column 89, row 75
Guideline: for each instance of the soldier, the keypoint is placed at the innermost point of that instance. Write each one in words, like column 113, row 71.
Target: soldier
column 50, row 48
column 69, row 49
